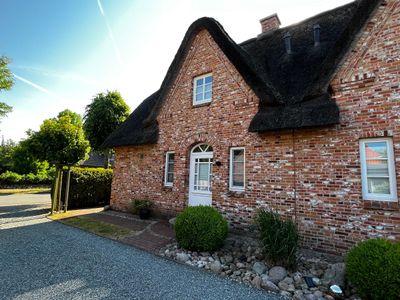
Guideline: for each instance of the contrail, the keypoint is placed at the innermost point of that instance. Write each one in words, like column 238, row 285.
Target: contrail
column 110, row 33
column 60, row 75
column 38, row 87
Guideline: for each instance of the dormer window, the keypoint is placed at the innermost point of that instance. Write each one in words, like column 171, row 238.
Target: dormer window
column 202, row 89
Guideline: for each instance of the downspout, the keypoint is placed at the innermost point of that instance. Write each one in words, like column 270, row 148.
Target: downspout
column 294, row 178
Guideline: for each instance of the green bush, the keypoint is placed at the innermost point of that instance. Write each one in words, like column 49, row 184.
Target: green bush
column 89, row 187
column 373, row 267
column 139, row 204
column 9, row 178
column 279, row 238
column 200, row 228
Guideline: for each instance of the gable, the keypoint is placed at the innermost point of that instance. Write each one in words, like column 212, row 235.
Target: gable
column 292, row 88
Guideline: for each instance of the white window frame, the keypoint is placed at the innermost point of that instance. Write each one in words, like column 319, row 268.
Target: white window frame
column 166, row 171
column 231, row 186
column 195, row 88
column 391, row 169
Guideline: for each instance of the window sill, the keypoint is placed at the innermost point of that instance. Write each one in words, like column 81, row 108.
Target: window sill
column 237, row 193
column 201, row 104
column 168, row 187
column 381, row 205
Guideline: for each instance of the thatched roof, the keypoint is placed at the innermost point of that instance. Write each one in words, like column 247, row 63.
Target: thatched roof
column 293, row 87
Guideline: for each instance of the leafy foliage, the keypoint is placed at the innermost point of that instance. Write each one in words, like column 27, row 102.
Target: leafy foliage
column 201, row 228
column 90, row 187
column 279, row 238
column 9, row 178
column 137, row 205
column 24, row 163
column 103, row 115
column 6, row 83
column 60, row 140
column 373, row 267
column 6, row 153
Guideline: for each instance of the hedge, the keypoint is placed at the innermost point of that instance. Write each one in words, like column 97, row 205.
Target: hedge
column 9, row 178
column 89, row 187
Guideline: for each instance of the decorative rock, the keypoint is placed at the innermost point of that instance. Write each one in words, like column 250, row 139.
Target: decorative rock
column 182, row 257
column 288, row 280
column 329, row 297
column 256, row 282
column 269, row 286
column 334, row 274
column 285, row 294
column 215, row 266
column 311, row 297
column 172, row 221
column 228, row 258
column 237, row 273
column 318, row 294
column 283, row 286
column 259, row 268
column 298, row 295
column 240, row 265
column 276, row 274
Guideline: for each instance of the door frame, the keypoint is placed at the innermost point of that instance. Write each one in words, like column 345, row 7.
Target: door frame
column 196, row 197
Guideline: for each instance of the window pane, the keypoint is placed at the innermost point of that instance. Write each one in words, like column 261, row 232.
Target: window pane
column 238, row 155
column 376, row 150
column 238, row 180
column 377, row 168
column 199, row 81
column 378, row 186
column 207, row 95
column 199, row 97
column 199, row 89
column 208, row 79
column 203, row 173
column 208, row 87
column 170, row 177
column 238, row 168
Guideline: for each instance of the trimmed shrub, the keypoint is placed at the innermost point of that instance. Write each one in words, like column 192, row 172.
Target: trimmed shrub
column 373, row 268
column 200, row 228
column 279, row 238
column 138, row 204
column 89, row 187
column 9, row 178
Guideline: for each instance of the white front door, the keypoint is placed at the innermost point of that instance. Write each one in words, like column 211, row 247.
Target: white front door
column 200, row 176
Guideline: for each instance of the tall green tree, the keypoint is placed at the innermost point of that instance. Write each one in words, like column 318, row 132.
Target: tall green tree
column 102, row 117
column 60, row 141
column 6, row 83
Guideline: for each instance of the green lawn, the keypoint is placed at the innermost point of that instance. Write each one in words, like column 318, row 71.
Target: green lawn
column 97, row 227
column 38, row 190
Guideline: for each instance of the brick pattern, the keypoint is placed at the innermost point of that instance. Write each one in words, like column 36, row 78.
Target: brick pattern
column 270, row 23
column 310, row 175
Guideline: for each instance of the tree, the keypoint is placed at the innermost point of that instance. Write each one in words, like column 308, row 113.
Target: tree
column 60, row 141
column 24, row 163
column 102, row 117
column 6, row 83
column 6, row 152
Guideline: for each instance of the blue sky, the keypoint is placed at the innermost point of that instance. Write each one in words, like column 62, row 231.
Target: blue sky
column 65, row 52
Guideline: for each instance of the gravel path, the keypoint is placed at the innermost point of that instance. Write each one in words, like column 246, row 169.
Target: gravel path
column 41, row 259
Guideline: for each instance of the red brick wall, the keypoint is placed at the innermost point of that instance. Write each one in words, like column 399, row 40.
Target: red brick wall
column 311, row 175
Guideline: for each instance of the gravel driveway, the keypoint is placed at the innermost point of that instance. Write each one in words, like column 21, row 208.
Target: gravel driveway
column 42, row 259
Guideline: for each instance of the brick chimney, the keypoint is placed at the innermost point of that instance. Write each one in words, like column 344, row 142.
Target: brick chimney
column 269, row 23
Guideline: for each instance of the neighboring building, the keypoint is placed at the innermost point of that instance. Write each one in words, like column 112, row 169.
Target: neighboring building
column 304, row 119
column 97, row 160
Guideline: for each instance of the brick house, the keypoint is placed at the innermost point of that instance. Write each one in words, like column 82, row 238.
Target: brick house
column 303, row 119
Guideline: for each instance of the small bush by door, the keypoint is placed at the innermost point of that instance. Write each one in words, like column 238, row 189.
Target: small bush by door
column 201, row 228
